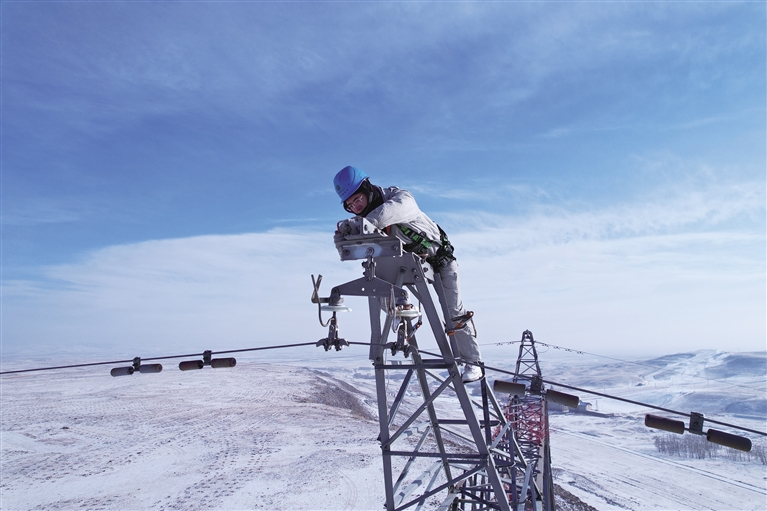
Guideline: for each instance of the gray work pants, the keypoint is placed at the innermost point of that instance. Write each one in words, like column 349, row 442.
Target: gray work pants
column 466, row 342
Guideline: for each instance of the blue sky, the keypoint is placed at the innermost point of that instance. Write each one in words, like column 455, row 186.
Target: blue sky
column 167, row 166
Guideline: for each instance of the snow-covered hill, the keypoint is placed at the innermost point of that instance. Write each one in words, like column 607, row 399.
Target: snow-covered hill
column 706, row 381
column 303, row 436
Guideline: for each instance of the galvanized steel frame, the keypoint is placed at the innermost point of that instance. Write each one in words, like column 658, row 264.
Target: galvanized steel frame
column 471, row 454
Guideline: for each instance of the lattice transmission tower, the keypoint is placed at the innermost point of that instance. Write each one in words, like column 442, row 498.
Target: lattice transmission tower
column 442, row 453
column 527, row 441
column 453, row 451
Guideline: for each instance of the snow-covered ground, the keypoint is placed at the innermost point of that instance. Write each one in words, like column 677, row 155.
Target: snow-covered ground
column 611, row 462
column 303, row 435
column 254, row 436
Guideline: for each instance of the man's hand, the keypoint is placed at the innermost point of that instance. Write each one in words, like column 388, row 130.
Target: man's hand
column 344, row 227
column 338, row 238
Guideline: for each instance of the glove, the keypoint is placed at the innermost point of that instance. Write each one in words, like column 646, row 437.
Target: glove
column 338, row 238
column 344, row 227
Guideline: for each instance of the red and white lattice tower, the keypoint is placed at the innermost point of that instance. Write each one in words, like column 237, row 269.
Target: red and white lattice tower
column 528, row 438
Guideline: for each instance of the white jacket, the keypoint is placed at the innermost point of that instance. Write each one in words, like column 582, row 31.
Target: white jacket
column 399, row 207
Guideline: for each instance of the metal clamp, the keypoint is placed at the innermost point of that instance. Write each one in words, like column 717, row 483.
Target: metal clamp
column 332, row 340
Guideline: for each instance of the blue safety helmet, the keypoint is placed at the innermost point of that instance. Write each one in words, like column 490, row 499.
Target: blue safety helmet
column 347, row 181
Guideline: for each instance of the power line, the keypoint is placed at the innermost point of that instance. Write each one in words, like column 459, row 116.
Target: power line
column 282, row 346
column 163, row 358
column 579, row 352
column 609, row 396
column 649, row 406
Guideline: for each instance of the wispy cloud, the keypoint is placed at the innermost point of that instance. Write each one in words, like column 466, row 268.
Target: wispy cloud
column 39, row 210
column 482, row 190
column 647, row 294
column 682, row 196
column 680, row 269
column 170, row 55
column 216, row 291
column 541, row 136
column 650, row 277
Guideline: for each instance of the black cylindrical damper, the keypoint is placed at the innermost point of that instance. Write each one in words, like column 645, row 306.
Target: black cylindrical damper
column 568, row 400
column 188, row 365
column 121, row 371
column 150, row 368
column 223, row 362
column 740, row 443
column 507, row 387
column 654, row 421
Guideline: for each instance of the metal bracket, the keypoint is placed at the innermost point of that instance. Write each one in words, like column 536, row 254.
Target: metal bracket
column 696, row 423
column 363, row 240
column 334, row 302
column 536, row 385
column 352, row 250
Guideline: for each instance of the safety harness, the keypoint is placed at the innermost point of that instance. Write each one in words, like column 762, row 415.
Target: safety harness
column 420, row 245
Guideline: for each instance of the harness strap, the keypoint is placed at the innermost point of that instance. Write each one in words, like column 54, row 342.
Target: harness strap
column 462, row 321
column 420, row 245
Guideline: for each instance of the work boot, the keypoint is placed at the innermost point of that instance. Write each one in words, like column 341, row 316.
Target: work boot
column 471, row 373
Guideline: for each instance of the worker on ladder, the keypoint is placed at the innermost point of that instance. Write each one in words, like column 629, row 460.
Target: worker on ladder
column 395, row 211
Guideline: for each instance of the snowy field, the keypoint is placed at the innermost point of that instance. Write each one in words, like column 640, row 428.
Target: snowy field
column 303, row 436
column 611, row 462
